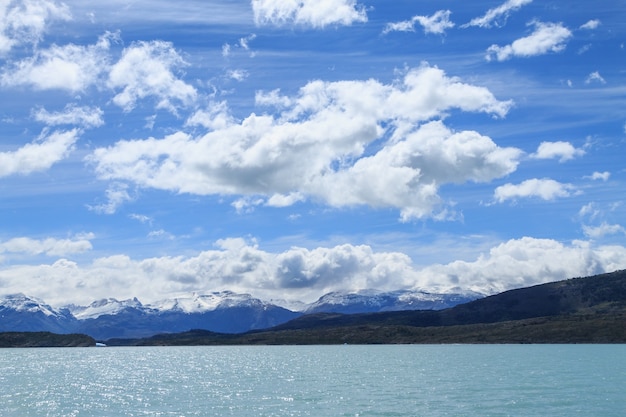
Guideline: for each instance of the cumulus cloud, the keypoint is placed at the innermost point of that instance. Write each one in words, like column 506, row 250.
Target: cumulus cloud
column 407, row 174
column 436, row 24
column 591, row 25
column 498, row 15
column 329, row 125
column 306, row 274
column 146, row 69
column 604, row 229
column 70, row 67
column 217, row 116
column 40, row 155
column 545, row 189
column 26, row 21
column 49, row 246
column 314, row 13
column 546, row 38
column 604, row 176
column 564, row 151
column 86, row 117
column 524, row 262
column 595, row 77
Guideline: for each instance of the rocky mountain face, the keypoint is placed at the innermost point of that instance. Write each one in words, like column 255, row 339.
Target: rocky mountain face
column 222, row 312
column 579, row 310
column 375, row 301
column 19, row 312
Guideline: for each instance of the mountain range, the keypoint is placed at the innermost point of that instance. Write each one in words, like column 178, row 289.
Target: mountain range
column 578, row 310
column 222, row 312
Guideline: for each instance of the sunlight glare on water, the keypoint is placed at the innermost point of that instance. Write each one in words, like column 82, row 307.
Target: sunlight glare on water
column 538, row 380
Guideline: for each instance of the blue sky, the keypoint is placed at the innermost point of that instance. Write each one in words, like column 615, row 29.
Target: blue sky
column 287, row 149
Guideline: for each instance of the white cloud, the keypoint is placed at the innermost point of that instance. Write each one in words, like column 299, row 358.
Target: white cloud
column 407, row 174
column 591, row 25
column 86, row 117
column 604, row 176
column 562, row 150
column 245, row 42
column 583, row 49
column 146, row 69
column 524, row 262
column 280, row 200
column 272, row 99
column 589, row 210
column 328, row 125
column 69, row 67
column 306, row 274
column 216, row 117
column 546, row 38
column 247, row 204
column 595, row 77
column 25, row 21
column 40, row 155
column 226, row 50
column 498, row 15
column 161, row 234
column 314, row 13
column 546, row 189
column 116, row 194
column 142, row 218
column 437, row 23
column 50, row 246
column 403, row 26
column 598, row 232
column 237, row 75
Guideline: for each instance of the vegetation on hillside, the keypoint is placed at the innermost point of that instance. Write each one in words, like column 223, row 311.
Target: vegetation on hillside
column 580, row 310
column 44, row 339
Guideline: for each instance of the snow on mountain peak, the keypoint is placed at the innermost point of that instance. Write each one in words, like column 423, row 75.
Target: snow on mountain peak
column 103, row 307
column 199, row 302
column 373, row 300
column 23, row 303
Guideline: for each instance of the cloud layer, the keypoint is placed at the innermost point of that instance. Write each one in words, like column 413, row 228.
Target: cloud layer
column 332, row 126
column 298, row 273
column 26, row 21
column 315, row 13
column 216, row 118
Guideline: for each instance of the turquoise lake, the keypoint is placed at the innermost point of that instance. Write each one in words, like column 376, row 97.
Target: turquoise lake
column 381, row 380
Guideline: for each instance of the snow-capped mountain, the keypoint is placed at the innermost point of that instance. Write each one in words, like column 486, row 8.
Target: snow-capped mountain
column 370, row 301
column 19, row 312
column 22, row 303
column 203, row 302
column 224, row 312
column 106, row 306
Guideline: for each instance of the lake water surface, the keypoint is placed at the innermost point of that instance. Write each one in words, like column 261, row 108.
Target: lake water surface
column 383, row 380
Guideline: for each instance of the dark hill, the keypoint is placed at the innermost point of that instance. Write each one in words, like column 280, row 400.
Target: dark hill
column 597, row 293
column 579, row 310
column 44, row 339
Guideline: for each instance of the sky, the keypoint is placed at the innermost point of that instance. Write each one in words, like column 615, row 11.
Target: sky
column 286, row 149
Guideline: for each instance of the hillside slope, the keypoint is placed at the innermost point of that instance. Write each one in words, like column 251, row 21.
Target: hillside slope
column 579, row 310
